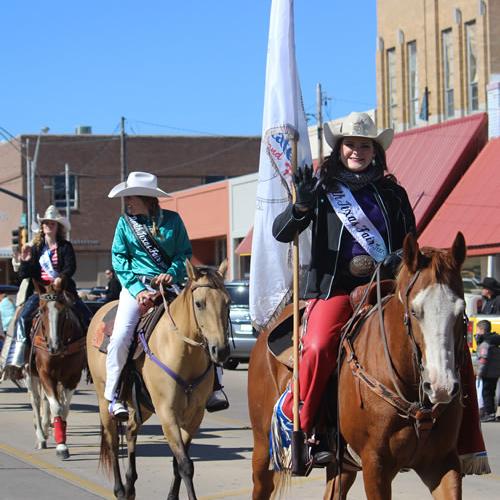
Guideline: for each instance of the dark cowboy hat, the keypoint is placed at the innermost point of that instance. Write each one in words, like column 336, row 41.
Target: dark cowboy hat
column 490, row 284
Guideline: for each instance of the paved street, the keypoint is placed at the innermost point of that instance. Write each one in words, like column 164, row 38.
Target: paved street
column 221, row 451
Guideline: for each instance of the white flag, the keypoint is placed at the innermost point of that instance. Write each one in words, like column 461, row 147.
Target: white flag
column 284, row 121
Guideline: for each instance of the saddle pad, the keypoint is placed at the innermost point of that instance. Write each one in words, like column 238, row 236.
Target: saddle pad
column 280, row 339
column 100, row 340
column 146, row 323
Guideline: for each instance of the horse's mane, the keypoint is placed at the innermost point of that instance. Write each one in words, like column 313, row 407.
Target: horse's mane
column 213, row 276
column 440, row 263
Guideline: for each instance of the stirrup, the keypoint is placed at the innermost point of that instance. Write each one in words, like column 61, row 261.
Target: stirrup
column 217, row 401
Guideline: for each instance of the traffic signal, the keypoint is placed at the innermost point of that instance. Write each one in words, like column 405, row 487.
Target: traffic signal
column 15, row 237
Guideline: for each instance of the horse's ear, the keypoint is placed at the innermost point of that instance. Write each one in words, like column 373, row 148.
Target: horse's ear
column 192, row 272
column 222, row 268
column 411, row 253
column 459, row 250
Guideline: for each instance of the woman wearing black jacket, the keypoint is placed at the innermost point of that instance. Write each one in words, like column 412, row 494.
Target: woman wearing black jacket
column 50, row 259
column 359, row 216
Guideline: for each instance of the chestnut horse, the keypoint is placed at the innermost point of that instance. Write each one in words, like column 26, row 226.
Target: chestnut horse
column 57, row 364
column 191, row 335
column 410, row 416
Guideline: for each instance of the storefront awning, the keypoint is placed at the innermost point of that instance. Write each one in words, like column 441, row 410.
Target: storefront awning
column 245, row 247
column 429, row 161
column 473, row 207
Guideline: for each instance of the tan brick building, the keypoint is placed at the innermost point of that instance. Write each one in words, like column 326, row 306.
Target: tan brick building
column 94, row 163
column 449, row 47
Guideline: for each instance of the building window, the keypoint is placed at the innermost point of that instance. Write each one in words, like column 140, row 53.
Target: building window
column 391, row 87
column 448, row 98
column 59, row 191
column 471, row 59
column 412, row 83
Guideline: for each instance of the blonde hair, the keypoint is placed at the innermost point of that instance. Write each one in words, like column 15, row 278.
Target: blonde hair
column 153, row 206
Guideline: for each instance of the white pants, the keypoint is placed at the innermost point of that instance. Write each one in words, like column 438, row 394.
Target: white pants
column 127, row 317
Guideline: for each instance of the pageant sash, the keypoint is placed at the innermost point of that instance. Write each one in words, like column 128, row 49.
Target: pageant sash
column 148, row 243
column 356, row 222
column 46, row 263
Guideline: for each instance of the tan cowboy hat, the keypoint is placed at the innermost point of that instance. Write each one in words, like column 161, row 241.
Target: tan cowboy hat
column 53, row 214
column 358, row 125
column 138, row 184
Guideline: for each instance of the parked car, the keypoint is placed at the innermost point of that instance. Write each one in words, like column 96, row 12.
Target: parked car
column 242, row 334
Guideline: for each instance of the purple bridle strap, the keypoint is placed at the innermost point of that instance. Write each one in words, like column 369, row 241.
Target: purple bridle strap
column 187, row 386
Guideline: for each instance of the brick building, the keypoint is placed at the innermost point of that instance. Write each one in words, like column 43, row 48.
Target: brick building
column 442, row 55
column 94, row 163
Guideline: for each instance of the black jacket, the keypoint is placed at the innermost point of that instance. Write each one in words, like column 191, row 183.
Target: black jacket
column 491, row 306
column 66, row 264
column 323, row 276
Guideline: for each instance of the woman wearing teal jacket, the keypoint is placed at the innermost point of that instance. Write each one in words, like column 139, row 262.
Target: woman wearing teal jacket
column 149, row 243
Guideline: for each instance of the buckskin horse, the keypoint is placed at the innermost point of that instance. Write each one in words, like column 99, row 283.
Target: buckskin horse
column 191, row 334
column 400, row 403
column 56, row 366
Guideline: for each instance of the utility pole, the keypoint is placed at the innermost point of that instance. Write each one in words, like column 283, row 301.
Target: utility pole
column 319, row 106
column 28, row 188
column 68, row 208
column 123, row 158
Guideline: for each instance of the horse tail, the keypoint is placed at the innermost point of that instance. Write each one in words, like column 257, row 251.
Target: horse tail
column 282, row 483
column 105, row 459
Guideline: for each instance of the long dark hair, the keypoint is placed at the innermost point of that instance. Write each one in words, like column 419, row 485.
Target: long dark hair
column 332, row 164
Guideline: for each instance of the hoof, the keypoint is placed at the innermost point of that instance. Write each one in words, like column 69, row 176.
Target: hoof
column 41, row 445
column 63, row 454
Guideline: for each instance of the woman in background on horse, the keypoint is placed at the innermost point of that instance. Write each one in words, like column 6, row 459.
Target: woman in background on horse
column 49, row 260
column 360, row 217
column 149, row 244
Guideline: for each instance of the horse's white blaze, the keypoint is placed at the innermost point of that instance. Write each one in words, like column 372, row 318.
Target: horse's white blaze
column 436, row 309
column 53, row 317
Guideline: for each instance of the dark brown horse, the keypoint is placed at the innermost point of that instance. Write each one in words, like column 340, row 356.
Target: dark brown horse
column 56, row 368
column 410, row 416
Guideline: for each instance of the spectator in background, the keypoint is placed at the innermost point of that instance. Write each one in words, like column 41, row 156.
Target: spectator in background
column 488, row 353
column 7, row 311
column 114, row 286
column 490, row 292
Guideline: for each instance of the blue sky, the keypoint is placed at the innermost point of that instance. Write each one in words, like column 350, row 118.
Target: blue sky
column 173, row 67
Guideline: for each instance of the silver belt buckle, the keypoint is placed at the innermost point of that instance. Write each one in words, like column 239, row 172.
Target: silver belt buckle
column 362, row 266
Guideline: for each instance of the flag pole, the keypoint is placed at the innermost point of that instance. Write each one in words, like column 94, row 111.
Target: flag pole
column 298, row 465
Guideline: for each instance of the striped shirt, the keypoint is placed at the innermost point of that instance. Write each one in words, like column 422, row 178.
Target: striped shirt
column 46, row 278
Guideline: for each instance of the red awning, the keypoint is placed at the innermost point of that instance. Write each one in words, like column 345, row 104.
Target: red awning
column 429, row 161
column 473, row 207
column 245, row 247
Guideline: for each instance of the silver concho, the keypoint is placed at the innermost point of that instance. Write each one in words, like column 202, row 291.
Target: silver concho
column 361, row 266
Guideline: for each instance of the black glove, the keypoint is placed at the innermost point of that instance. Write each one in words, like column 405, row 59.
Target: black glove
column 391, row 263
column 305, row 188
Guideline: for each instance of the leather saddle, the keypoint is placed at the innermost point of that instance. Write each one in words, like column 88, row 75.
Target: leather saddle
column 363, row 299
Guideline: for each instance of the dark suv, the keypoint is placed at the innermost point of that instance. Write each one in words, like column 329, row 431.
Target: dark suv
column 242, row 336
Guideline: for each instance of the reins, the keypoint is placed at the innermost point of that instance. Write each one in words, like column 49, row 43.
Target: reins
column 187, row 386
column 423, row 414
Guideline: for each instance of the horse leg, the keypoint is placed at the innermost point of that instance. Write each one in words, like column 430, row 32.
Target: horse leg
column 179, row 445
column 337, row 486
column 445, row 482
column 131, row 474
column 108, row 457
column 175, row 485
column 262, row 477
column 56, row 410
column 66, row 397
column 377, row 476
column 36, row 398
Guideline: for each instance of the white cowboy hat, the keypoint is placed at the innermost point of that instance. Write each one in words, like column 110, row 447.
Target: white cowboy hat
column 138, row 184
column 358, row 125
column 53, row 214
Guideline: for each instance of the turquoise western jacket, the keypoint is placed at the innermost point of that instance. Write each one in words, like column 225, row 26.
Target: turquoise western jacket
column 130, row 261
